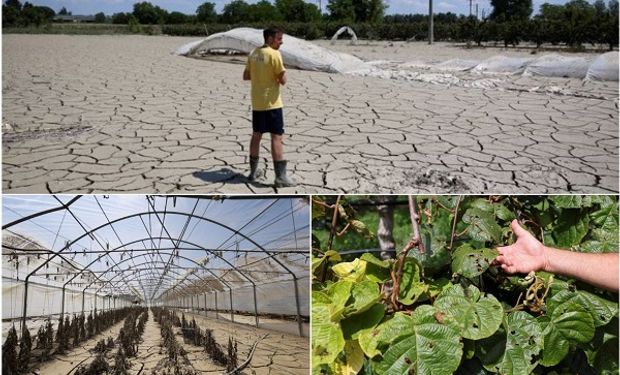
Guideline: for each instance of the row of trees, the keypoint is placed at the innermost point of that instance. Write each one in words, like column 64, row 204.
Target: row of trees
column 575, row 23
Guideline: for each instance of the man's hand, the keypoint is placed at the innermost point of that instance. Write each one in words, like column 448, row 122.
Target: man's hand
column 282, row 78
column 246, row 75
column 528, row 254
column 525, row 255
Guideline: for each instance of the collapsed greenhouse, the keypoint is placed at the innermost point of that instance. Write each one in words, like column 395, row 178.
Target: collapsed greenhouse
column 135, row 284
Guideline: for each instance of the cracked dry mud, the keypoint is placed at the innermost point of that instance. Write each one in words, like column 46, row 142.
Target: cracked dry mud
column 278, row 353
column 121, row 114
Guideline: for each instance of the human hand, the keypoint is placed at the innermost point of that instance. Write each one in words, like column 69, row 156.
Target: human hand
column 525, row 255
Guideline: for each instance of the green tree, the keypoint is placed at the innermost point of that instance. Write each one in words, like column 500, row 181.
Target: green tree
column 176, row 18
column 511, row 10
column 206, row 13
column 341, row 10
column 369, row 10
column 264, row 11
column 100, row 17
column 149, row 14
column 11, row 16
column 63, row 12
column 357, row 10
column 120, row 18
column 297, row 10
column 36, row 15
column 236, row 11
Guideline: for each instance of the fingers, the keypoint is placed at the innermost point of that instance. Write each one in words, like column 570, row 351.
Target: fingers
column 508, row 269
column 516, row 229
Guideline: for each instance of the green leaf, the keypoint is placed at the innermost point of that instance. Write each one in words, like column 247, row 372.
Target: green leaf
column 571, row 229
column 436, row 287
column 430, row 348
column 606, row 218
column 318, row 211
column 482, row 204
column 327, row 338
column 606, row 361
column 476, row 316
column 482, row 226
column 513, row 349
column 320, row 298
column 411, row 284
column 436, row 256
column 316, row 263
column 353, row 326
column 470, row 262
column 351, row 362
column 339, row 293
column 564, row 325
column 503, row 213
column 363, row 296
column 572, row 201
column 601, row 310
column 371, row 259
column 376, row 270
column 603, row 241
column 374, row 341
column 352, row 271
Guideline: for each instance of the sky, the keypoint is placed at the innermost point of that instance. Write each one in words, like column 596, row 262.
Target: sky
column 87, row 7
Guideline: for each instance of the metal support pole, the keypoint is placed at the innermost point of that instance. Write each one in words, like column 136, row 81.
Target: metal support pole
column 83, row 292
column 430, row 22
column 62, row 308
column 255, row 305
column 299, row 323
column 217, row 312
column 232, row 315
column 25, row 304
column 205, row 304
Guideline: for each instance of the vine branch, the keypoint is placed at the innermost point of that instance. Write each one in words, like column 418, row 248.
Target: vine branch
column 415, row 241
column 456, row 214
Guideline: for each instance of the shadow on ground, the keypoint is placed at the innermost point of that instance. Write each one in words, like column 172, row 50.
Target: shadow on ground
column 228, row 176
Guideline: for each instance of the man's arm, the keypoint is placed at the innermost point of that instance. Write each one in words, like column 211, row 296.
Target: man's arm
column 246, row 74
column 282, row 78
column 528, row 254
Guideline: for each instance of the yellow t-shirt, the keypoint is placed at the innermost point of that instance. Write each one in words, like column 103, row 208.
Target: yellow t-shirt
column 264, row 65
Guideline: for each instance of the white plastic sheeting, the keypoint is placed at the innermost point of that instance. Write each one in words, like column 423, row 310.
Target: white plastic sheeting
column 503, row 64
column 554, row 65
column 604, row 67
column 342, row 30
column 308, row 56
column 295, row 52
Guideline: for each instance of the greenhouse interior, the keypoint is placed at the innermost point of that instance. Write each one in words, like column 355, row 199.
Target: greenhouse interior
column 142, row 284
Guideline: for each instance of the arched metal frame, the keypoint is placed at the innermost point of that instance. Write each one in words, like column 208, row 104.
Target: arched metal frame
column 155, row 212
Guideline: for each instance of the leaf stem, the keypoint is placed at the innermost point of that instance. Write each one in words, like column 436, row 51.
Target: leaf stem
column 456, row 214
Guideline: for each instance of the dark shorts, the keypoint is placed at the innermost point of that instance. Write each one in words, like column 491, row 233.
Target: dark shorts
column 269, row 121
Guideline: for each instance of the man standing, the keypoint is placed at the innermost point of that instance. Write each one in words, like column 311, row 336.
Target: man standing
column 266, row 71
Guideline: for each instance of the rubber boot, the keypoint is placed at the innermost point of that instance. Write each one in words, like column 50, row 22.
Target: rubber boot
column 254, row 171
column 282, row 180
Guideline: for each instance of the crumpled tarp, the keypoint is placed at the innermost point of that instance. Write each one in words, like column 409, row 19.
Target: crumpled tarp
column 305, row 55
column 554, row 65
column 295, row 52
column 604, row 67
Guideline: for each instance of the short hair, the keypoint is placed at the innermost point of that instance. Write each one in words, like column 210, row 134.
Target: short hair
column 271, row 32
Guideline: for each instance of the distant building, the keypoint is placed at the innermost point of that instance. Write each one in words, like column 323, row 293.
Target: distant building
column 72, row 18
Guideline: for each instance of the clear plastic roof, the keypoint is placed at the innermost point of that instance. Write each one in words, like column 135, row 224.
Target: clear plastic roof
column 146, row 246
